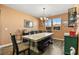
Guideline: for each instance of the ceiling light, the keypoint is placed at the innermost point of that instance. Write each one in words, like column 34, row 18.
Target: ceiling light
column 43, row 18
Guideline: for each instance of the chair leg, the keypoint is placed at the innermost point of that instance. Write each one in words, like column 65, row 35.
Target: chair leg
column 24, row 52
column 17, row 52
column 13, row 51
column 29, row 51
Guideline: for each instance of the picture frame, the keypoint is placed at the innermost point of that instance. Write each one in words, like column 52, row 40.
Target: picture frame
column 28, row 24
column 72, row 17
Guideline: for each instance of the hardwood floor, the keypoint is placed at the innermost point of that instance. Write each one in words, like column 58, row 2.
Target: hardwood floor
column 57, row 48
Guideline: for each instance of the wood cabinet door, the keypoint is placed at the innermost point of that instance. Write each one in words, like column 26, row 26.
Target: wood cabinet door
column 70, row 41
column 67, row 45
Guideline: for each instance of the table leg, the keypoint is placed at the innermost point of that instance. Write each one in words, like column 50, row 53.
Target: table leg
column 29, row 53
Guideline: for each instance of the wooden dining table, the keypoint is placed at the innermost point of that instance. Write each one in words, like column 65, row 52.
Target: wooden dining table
column 34, row 38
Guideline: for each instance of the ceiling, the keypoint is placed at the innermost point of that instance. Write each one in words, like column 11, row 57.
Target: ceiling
column 37, row 9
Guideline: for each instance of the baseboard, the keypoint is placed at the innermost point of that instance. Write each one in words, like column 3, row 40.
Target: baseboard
column 9, row 44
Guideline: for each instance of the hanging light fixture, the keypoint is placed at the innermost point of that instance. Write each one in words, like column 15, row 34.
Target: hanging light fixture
column 43, row 18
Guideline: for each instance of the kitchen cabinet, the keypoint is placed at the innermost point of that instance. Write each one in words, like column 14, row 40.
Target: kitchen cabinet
column 70, row 42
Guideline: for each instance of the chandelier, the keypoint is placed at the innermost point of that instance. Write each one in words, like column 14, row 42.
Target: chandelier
column 44, row 18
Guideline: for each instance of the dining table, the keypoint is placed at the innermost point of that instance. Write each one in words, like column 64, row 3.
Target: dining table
column 35, row 38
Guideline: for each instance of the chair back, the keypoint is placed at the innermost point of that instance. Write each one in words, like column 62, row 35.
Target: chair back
column 40, row 31
column 32, row 32
column 15, row 45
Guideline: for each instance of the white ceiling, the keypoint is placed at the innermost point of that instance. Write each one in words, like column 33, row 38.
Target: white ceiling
column 36, row 9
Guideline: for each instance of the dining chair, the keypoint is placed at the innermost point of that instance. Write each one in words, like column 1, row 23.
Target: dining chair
column 25, row 40
column 31, row 32
column 36, row 32
column 18, row 48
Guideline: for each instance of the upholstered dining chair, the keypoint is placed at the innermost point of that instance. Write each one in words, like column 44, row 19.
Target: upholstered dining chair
column 18, row 48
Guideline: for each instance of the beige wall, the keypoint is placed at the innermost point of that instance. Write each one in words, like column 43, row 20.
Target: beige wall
column 77, row 18
column 11, row 20
column 0, row 27
column 77, row 31
column 64, row 29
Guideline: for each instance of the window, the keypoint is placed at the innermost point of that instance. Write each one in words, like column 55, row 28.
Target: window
column 48, row 23
column 56, row 23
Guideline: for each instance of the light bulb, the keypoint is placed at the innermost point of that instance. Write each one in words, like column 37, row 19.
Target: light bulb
column 44, row 18
column 41, row 18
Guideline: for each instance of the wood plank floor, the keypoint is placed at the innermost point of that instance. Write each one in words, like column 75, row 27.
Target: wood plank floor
column 57, row 48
